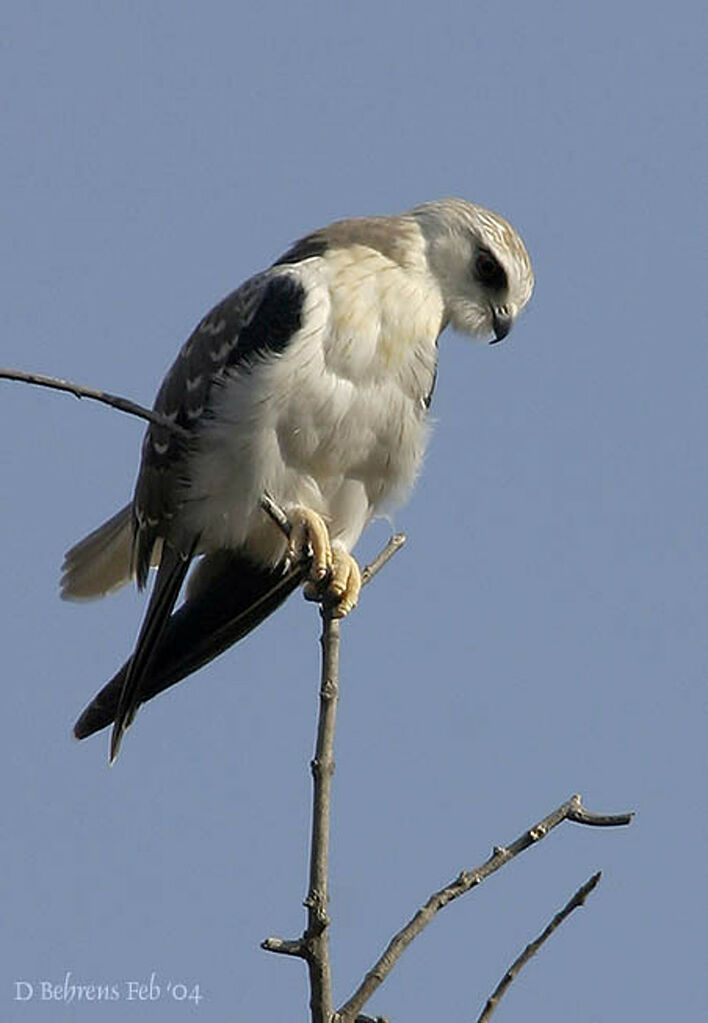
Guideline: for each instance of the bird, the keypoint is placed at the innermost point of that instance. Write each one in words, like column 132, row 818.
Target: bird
column 311, row 383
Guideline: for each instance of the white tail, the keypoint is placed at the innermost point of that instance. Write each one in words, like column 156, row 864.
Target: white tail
column 101, row 562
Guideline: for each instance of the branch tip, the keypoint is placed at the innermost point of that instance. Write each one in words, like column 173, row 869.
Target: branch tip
column 532, row 948
column 283, row 947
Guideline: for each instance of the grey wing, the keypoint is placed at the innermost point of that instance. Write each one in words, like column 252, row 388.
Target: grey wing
column 259, row 317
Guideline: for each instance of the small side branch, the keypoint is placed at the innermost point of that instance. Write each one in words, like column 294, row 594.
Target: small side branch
column 392, row 547
column 531, row 949
column 572, row 810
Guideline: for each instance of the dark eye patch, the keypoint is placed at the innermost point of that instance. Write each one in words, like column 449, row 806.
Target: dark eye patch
column 489, row 271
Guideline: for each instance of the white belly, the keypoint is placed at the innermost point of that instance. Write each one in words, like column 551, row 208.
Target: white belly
column 337, row 422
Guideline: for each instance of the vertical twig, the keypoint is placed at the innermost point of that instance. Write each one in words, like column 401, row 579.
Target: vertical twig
column 313, row 946
column 317, row 933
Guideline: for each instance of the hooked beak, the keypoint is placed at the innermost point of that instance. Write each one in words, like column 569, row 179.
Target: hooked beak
column 502, row 323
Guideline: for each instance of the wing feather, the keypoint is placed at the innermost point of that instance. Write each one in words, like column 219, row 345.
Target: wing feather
column 234, row 597
column 257, row 319
column 170, row 576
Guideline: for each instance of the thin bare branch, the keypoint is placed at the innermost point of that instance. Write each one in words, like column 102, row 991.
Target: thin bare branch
column 79, row 391
column 532, row 948
column 133, row 409
column 276, row 513
column 392, row 547
column 571, row 810
column 316, row 937
column 313, row 946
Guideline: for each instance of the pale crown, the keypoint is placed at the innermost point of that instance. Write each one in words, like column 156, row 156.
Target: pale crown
column 480, row 262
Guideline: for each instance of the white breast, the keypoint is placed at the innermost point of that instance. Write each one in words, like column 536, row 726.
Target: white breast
column 337, row 421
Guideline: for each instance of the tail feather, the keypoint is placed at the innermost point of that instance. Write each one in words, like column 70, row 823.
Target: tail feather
column 101, row 562
column 238, row 597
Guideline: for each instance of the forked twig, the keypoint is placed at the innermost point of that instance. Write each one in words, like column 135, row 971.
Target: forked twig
column 532, row 948
column 572, row 810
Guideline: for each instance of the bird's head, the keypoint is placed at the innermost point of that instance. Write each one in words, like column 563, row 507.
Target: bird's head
column 481, row 265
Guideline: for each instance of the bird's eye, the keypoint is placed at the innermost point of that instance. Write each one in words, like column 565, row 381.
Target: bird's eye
column 488, row 271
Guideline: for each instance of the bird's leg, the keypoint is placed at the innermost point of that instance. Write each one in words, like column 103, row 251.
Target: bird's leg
column 334, row 574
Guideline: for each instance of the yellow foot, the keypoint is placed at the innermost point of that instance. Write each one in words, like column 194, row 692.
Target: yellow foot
column 341, row 587
column 334, row 575
column 344, row 582
column 309, row 538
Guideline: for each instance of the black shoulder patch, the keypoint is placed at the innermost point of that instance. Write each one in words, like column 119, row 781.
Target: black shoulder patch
column 277, row 318
column 312, row 245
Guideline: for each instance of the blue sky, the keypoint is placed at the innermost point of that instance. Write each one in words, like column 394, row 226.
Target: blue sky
column 542, row 633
